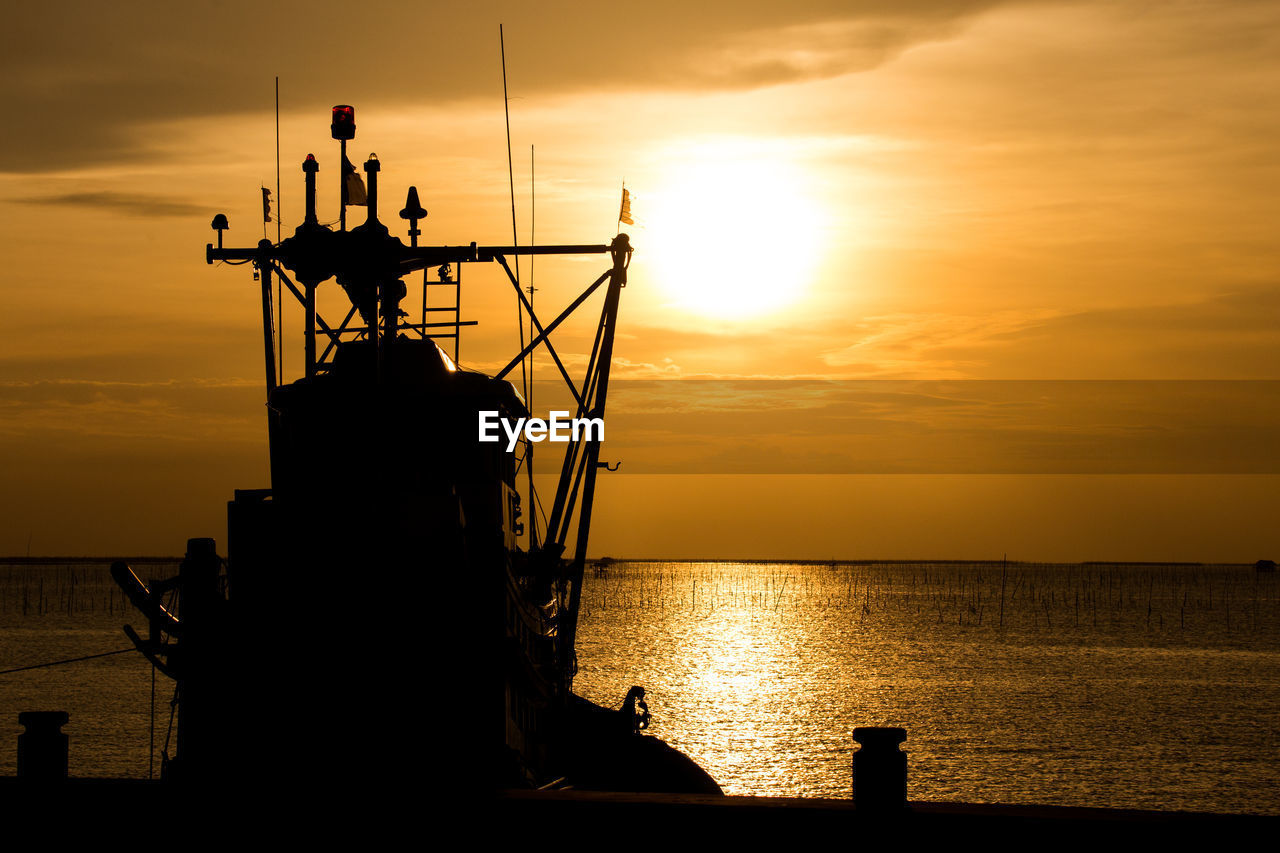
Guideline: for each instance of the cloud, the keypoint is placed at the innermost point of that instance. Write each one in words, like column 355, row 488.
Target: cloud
column 624, row 368
column 938, row 346
column 134, row 204
column 88, row 82
column 937, row 427
column 1239, row 312
column 1217, row 336
column 1229, row 335
column 67, row 412
column 813, row 51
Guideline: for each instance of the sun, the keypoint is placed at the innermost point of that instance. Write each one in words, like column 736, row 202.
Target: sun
column 732, row 234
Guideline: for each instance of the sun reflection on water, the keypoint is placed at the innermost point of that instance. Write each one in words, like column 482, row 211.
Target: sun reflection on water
column 1090, row 694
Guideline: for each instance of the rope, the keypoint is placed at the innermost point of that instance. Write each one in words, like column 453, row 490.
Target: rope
column 68, row 660
column 537, row 499
column 164, row 752
column 151, row 745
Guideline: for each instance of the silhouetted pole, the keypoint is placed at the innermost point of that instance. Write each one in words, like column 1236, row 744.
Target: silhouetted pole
column 42, row 748
column 528, row 451
column 621, row 253
column 279, row 202
column 309, row 345
column 268, row 338
column 201, row 725
column 880, row 769
column 342, row 129
column 310, row 167
column 386, row 306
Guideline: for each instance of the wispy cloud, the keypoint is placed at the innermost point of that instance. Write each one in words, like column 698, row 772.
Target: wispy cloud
column 880, row 426
column 185, row 412
column 134, row 204
column 937, row 346
column 118, row 68
column 822, row 49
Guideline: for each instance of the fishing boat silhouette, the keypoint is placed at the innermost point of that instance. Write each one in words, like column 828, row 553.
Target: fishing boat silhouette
column 375, row 612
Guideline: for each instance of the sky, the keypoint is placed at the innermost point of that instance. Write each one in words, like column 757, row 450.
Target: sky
column 925, row 280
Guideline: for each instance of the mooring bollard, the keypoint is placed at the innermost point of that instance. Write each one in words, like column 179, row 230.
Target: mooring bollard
column 880, row 769
column 42, row 748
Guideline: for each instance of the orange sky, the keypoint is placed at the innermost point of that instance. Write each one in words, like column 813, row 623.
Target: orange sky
column 823, row 191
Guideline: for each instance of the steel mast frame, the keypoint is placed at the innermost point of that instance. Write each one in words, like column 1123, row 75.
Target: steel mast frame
column 315, row 254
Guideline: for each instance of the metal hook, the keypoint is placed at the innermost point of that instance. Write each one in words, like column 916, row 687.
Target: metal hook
column 607, row 467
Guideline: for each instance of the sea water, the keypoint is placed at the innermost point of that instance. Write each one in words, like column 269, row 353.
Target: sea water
column 1151, row 686
column 1123, row 686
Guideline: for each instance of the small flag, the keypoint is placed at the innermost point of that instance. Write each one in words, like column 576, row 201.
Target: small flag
column 266, row 205
column 624, row 214
column 353, row 191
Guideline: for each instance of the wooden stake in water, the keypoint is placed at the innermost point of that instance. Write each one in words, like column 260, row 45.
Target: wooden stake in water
column 1004, row 573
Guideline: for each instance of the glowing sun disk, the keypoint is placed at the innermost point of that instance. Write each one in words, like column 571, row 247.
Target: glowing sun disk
column 733, row 238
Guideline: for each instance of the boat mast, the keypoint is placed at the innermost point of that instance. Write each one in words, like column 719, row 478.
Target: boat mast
column 621, row 251
column 370, row 263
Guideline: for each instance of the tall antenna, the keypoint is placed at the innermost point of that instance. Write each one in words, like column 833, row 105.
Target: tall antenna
column 278, row 158
column 533, row 230
column 528, row 462
column 279, row 211
column 515, row 242
column 511, row 181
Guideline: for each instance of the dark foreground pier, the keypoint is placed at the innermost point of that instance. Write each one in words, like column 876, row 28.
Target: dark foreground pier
column 368, row 807
column 344, row 809
column 734, row 815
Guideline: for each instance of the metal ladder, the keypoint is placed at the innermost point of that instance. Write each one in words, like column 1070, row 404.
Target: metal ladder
column 446, row 277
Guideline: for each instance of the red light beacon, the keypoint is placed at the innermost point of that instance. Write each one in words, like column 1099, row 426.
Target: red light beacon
column 344, row 122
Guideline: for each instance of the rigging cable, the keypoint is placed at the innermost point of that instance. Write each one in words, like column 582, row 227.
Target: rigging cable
column 525, row 380
column 511, row 181
column 537, row 500
column 67, row 660
column 173, row 709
